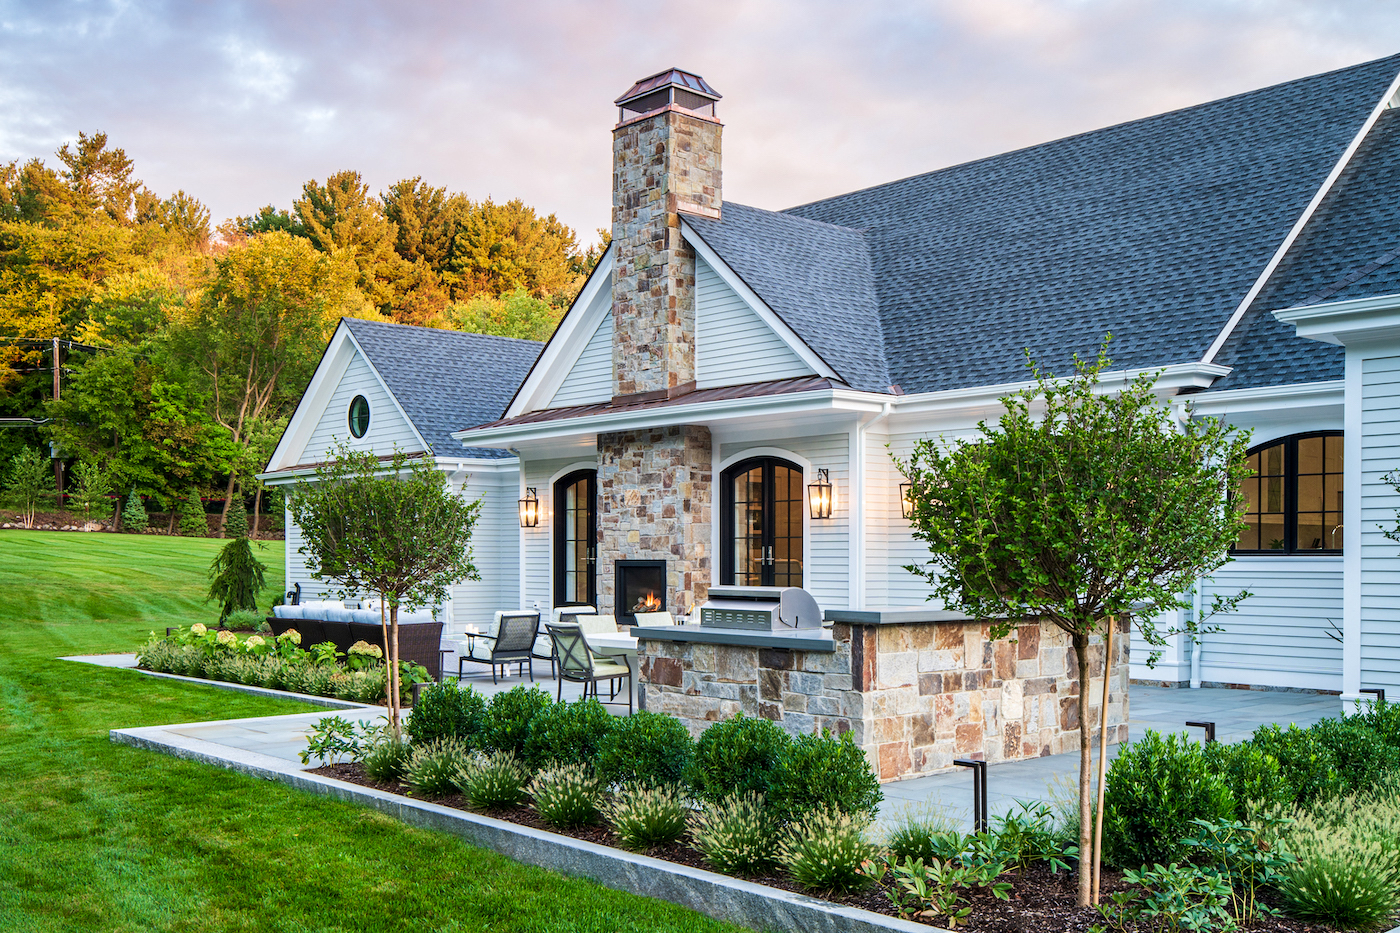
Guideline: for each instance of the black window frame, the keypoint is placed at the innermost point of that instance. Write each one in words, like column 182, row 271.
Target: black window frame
column 726, row 542
column 1290, row 497
column 561, row 487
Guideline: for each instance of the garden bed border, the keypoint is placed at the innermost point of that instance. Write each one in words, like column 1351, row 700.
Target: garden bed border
column 326, row 702
column 733, row 900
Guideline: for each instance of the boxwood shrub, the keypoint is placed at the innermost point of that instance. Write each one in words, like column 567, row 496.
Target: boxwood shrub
column 823, row 772
column 1363, row 758
column 445, row 711
column 645, row 748
column 736, row 756
column 505, row 726
column 1305, row 762
column 568, row 733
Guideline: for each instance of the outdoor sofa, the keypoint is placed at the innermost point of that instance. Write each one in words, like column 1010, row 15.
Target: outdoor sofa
column 420, row 637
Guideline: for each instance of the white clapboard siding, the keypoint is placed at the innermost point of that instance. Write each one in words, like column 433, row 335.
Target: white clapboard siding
column 1279, row 635
column 828, row 545
column 591, row 378
column 734, row 346
column 539, row 541
column 311, row 588
column 387, row 427
column 495, row 552
column 1380, row 556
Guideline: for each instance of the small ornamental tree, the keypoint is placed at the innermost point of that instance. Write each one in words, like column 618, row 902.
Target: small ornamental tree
column 90, row 490
column 1078, row 507
column 236, row 576
column 389, row 527
column 27, row 482
column 134, row 517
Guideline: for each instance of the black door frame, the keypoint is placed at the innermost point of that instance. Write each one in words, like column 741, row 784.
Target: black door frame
column 726, row 522
column 560, row 532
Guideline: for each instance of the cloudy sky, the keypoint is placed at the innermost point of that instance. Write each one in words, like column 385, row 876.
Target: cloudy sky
column 239, row 103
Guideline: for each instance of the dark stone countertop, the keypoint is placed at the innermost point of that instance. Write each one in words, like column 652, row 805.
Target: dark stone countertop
column 809, row 639
column 894, row 616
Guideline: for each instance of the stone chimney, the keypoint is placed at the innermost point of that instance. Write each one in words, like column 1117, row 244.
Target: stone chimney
column 666, row 161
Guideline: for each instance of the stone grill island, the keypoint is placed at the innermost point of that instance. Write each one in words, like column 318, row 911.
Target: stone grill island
column 917, row 688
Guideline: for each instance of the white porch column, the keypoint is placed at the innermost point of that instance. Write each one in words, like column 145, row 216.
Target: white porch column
column 1369, row 329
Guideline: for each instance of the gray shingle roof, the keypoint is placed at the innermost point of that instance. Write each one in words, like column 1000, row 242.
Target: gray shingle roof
column 446, row 380
column 1350, row 249
column 1153, row 230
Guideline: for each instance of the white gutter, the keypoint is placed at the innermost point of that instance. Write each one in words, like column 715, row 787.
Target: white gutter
column 286, row 477
column 1264, row 398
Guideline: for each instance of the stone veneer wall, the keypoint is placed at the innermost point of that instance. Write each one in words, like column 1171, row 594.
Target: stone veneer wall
column 915, row 695
column 662, row 164
column 654, row 498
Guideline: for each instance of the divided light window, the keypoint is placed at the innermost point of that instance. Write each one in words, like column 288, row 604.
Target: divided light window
column 1294, row 496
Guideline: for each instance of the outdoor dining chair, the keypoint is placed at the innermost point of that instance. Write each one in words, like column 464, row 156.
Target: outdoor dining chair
column 512, row 644
column 577, row 664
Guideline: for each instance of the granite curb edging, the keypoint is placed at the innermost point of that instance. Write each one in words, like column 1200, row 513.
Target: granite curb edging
column 719, row 896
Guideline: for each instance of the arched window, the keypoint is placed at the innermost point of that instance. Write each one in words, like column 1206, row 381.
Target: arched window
column 761, row 523
column 1294, row 497
column 575, row 539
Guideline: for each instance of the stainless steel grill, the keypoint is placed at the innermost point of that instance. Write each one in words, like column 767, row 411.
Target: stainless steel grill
column 760, row 608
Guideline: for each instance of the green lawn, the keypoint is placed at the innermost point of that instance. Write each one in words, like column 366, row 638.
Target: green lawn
column 95, row 836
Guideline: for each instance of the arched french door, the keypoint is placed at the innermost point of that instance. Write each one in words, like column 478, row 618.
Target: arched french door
column 761, row 523
column 576, row 539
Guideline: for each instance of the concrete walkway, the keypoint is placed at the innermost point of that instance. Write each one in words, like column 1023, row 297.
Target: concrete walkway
column 1236, row 713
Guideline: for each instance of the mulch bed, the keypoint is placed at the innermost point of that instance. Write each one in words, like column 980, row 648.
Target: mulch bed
column 1041, row 901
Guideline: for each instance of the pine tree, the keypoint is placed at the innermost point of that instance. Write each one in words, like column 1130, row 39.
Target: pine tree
column 134, row 517
column 192, row 521
column 236, row 525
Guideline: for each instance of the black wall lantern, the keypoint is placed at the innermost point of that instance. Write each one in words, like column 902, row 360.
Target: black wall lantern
column 819, row 495
column 906, row 499
column 530, row 509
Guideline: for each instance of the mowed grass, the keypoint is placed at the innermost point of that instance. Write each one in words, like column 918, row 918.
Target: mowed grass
column 96, row 836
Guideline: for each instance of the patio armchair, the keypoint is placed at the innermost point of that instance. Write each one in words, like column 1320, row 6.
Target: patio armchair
column 544, row 645
column 578, row 665
column 512, row 643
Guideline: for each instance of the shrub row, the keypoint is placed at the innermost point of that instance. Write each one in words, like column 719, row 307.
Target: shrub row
column 738, row 756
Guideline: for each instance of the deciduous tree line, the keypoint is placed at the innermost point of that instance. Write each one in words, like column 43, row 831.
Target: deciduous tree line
column 187, row 347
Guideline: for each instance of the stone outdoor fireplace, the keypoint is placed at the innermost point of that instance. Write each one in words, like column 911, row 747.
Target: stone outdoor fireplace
column 641, row 587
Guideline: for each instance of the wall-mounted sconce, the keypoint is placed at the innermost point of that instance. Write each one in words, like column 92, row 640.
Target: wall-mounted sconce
column 530, row 509
column 906, row 499
column 819, row 495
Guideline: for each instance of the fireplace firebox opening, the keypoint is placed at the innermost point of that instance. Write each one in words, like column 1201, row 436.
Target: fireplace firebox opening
column 641, row 587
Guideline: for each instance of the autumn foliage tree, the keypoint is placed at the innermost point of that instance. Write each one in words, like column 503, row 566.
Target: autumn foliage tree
column 1078, row 507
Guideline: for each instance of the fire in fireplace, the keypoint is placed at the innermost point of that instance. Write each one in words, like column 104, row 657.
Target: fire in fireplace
column 641, row 587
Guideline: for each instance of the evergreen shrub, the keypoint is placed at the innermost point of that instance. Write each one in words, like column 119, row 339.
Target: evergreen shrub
column 645, row 748
column 1305, row 763
column 819, row 772
column 1363, row 759
column 506, row 725
column 134, row 517
column 568, row 733
column 1153, row 790
column 192, row 521
column 1254, row 777
column 444, row 710
column 739, row 755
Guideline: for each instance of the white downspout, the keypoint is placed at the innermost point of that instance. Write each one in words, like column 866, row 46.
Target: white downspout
column 1196, row 638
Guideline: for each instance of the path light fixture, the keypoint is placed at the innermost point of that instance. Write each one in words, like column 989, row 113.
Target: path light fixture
column 819, row 495
column 906, row 499
column 530, row 509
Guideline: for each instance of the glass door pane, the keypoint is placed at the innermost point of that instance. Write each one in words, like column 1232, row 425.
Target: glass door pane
column 575, row 514
column 749, row 527
column 785, row 568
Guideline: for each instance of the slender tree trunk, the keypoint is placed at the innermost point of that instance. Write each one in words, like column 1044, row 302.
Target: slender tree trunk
column 228, row 501
column 1080, row 640
column 388, row 687
column 1103, row 756
column 394, row 665
column 257, row 506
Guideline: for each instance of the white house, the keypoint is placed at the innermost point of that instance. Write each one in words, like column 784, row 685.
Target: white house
column 722, row 360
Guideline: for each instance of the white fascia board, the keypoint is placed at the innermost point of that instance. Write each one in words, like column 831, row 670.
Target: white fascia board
column 312, row 405
column 1302, row 221
column 446, row 464
column 567, row 343
column 1169, row 379
column 1265, row 398
column 1358, row 320
column 387, row 391
column 757, row 304
column 794, row 403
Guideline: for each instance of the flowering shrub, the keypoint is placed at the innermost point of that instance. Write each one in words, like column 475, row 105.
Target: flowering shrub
column 278, row 663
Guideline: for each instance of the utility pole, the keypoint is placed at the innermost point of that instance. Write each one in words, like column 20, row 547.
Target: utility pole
column 57, row 462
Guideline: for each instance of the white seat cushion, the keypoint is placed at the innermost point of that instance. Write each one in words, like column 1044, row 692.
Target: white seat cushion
column 598, row 624
column 578, row 610
column 654, row 618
